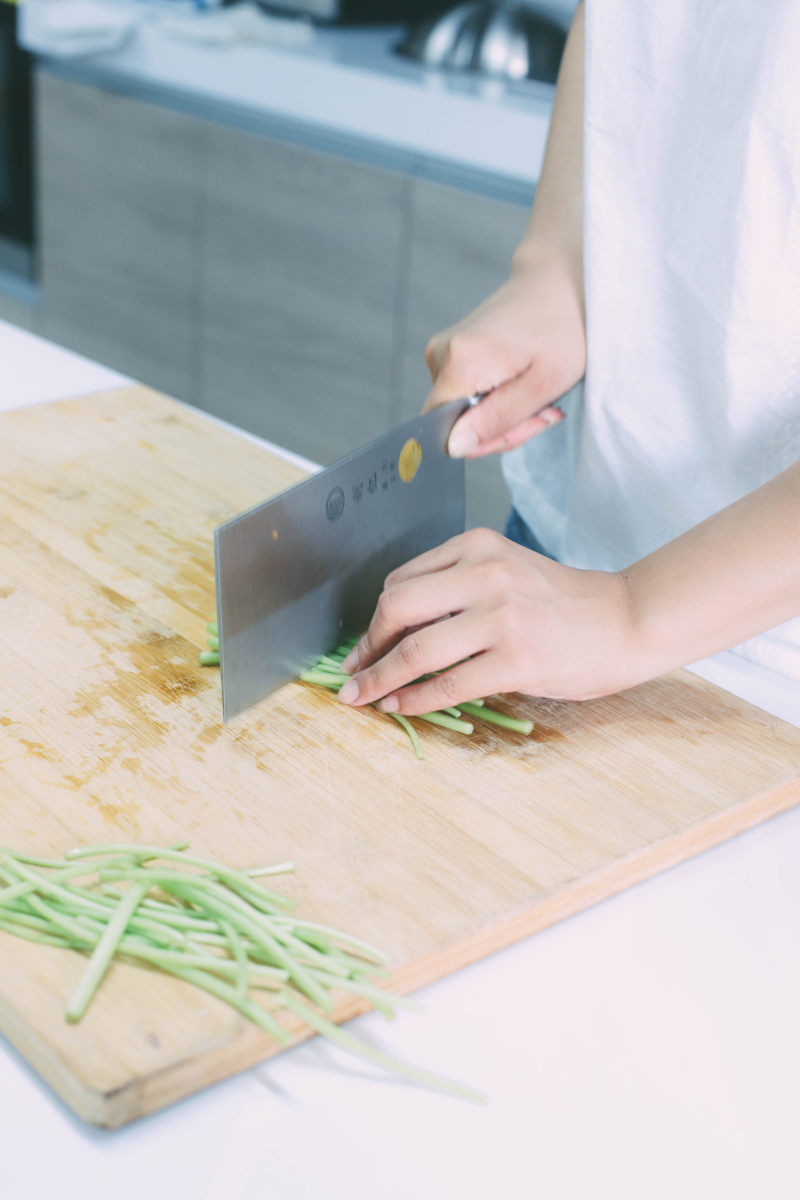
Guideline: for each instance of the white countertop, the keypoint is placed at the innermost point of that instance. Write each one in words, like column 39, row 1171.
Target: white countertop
column 646, row 1049
column 345, row 84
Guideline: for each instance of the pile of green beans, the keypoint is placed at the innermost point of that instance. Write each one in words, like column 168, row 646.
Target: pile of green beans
column 208, row 924
column 327, row 672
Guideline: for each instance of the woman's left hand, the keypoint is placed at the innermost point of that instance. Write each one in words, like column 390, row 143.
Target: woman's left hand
column 509, row 619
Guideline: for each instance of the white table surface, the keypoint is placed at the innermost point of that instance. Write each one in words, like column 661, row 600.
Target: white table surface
column 648, row 1048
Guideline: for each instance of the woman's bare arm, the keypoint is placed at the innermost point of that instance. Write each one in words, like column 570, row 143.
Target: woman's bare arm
column 525, row 345
column 511, row 620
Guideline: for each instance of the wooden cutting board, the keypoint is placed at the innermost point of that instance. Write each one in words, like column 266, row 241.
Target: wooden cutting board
column 109, row 730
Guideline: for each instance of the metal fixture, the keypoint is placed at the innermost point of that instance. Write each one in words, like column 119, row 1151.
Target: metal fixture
column 501, row 39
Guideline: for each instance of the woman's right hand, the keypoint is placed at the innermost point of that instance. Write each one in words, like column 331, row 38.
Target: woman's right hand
column 524, row 346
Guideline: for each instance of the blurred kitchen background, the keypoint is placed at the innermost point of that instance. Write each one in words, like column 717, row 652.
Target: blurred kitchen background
column 265, row 210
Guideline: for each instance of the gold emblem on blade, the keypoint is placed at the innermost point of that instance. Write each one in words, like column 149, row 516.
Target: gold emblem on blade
column 410, row 458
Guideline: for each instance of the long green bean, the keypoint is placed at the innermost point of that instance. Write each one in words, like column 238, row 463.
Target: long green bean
column 104, row 951
column 496, row 718
column 207, row 924
column 364, row 1050
column 446, row 722
column 412, row 733
column 327, row 672
column 233, row 878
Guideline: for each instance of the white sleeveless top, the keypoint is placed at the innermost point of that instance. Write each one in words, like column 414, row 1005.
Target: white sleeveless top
column 692, row 266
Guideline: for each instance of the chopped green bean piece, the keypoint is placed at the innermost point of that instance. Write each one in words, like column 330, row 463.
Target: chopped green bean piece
column 438, row 718
column 104, row 952
column 326, row 672
column 325, row 678
column 496, row 718
column 412, row 733
column 208, row 924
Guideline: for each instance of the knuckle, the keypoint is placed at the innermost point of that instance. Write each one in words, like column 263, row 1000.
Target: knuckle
column 446, row 688
column 409, row 651
column 363, row 647
column 499, row 575
column 455, row 347
column 371, row 651
column 463, row 349
column 433, row 351
column 484, row 542
column 493, row 419
column 475, row 539
column 369, row 682
column 470, row 343
column 371, row 678
column 505, row 612
column 386, row 607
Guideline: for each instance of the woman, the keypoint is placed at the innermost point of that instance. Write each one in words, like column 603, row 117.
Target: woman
column 668, row 485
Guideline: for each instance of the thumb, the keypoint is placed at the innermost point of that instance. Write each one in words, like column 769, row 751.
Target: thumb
column 489, row 423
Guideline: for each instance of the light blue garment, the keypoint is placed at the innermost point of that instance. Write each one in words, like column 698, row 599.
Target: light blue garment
column 518, row 531
column 540, row 474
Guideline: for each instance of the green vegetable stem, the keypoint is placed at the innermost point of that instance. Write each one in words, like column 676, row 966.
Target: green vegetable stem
column 206, row 923
column 210, row 656
column 327, row 672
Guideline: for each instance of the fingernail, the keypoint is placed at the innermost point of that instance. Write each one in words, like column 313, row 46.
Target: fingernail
column 350, row 663
column 551, row 415
column 348, row 692
column 389, row 704
column 462, row 442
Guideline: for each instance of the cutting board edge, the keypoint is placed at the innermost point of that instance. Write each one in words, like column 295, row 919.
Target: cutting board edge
column 116, row 1107
column 150, row 1094
column 591, row 889
column 240, row 1048
column 45, row 1061
column 190, row 1075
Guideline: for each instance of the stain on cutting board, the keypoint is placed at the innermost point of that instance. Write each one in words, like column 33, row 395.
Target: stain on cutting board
column 112, row 731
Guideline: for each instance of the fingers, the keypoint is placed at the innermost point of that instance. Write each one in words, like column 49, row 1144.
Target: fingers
column 468, row 681
column 512, row 413
column 414, row 602
column 440, row 558
column 475, row 546
column 408, row 604
column 437, row 584
column 427, row 650
column 465, row 443
column 515, row 407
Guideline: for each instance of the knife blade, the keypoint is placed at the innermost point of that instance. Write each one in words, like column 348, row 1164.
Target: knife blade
column 302, row 572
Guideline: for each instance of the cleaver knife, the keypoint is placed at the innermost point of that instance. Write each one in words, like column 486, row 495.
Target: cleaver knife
column 302, row 572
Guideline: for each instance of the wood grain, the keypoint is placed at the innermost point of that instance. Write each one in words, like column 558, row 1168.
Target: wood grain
column 110, row 730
